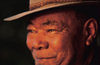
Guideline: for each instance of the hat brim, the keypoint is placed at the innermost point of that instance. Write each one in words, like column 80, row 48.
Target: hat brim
column 49, row 6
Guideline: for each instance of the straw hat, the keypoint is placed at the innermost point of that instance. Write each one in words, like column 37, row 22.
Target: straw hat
column 40, row 5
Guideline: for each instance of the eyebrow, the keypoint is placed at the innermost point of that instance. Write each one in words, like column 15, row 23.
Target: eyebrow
column 50, row 23
column 53, row 22
column 57, row 24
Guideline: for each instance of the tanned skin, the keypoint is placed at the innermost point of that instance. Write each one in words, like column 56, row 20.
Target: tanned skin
column 57, row 37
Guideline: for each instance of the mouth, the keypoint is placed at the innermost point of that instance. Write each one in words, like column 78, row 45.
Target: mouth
column 46, row 57
column 43, row 60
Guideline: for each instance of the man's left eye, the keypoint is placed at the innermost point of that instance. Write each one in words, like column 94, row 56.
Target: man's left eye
column 51, row 30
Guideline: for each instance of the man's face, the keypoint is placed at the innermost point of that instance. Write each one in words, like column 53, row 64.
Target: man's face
column 54, row 37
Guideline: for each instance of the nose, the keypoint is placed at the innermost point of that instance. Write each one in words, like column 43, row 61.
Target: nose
column 39, row 44
column 37, row 41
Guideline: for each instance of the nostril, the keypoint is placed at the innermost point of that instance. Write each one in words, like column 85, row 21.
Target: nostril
column 39, row 46
column 43, row 46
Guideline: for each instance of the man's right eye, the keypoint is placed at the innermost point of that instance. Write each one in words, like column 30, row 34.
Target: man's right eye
column 32, row 31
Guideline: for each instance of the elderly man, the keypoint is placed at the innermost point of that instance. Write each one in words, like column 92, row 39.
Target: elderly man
column 61, row 32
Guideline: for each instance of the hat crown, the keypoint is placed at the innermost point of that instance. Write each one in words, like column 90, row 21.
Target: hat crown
column 38, row 3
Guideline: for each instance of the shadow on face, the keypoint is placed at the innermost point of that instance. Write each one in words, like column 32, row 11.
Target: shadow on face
column 56, row 38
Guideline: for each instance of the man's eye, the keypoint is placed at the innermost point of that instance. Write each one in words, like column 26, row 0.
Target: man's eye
column 32, row 31
column 51, row 30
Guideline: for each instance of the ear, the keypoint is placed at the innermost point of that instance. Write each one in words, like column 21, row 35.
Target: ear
column 90, row 29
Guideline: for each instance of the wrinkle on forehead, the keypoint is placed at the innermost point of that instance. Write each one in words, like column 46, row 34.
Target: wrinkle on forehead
column 48, row 22
column 58, row 24
column 59, row 18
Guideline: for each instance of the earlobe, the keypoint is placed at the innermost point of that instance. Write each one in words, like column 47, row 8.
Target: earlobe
column 90, row 29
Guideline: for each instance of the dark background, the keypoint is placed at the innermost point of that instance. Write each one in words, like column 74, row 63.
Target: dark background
column 13, row 49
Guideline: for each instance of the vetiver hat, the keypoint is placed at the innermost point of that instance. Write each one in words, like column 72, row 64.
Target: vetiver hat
column 40, row 5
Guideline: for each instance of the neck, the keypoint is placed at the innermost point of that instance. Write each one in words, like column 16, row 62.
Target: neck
column 85, row 59
column 89, row 57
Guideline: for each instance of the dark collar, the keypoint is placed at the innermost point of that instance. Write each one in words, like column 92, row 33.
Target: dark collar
column 96, row 59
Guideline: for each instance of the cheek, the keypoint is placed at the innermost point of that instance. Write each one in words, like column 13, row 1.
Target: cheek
column 60, row 43
column 29, row 42
column 64, row 48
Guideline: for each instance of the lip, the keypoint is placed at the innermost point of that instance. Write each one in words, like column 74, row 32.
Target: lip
column 46, row 57
column 46, row 60
column 44, row 54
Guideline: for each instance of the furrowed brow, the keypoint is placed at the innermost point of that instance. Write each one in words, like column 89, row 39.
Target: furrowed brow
column 50, row 23
column 60, row 24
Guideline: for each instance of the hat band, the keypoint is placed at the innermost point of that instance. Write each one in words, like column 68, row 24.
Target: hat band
column 46, row 2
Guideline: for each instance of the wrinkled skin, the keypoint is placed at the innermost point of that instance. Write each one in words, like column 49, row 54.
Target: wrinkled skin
column 55, row 38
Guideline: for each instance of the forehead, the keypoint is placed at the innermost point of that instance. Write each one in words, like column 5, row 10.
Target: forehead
column 53, row 17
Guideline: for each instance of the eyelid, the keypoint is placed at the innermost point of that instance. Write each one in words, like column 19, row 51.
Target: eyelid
column 30, row 28
column 50, row 30
column 32, row 31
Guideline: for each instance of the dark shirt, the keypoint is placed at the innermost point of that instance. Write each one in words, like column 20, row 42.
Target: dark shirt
column 96, row 59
